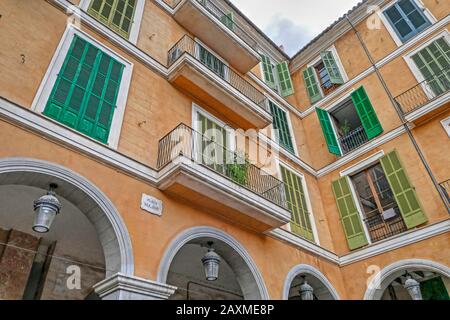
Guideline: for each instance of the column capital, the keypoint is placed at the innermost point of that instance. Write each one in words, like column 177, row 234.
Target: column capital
column 124, row 287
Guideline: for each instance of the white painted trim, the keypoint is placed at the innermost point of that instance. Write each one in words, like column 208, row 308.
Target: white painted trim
column 125, row 287
column 309, row 207
column 383, row 278
column 363, row 164
column 48, row 82
column 301, row 269
column 53, row 129
column 390, row 28
column 210, row 232
column 118, row 250
column 137, row 19
column 446, row 124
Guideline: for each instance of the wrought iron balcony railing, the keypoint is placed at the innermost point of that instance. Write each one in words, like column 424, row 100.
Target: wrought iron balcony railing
column 203, row 150
column 445, row 187
column 235, row 26
column 209, row 60
column 424, row 92
column 353, row 139
column 380, row 229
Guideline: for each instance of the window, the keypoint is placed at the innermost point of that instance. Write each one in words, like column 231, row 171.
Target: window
column 116, row 14
column 296, row 199
column 281, row 127
column 323, row 77
column 433, row 63
column 446, row 125
column 407, row 19
column 350, row 124
column 277, row 76
column 85, row 93
column 387, row 199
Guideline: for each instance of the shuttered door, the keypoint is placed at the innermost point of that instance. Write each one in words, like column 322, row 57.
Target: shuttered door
column 366, row 113
column 295, row 197
column 312, row 86
column 434, row 64
column 328, row 132
column 404, row 192
column 349, row 214
column 85, row 93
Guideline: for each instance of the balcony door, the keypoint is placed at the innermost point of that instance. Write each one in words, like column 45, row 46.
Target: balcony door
column 380, row 210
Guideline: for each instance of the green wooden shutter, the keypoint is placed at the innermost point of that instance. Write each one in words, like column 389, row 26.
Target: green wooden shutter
column 312, row 86
column 434, row 289
column 85, row 93
column 404, row 192
column 366, row 113
column 269, row 78
column 281, row 125
column 332, row 67
column 328, row 131
column 116, row 14
column 284, row 78
column 296, row 199
column 350, row 219
column 228, row 20
column 434, row 64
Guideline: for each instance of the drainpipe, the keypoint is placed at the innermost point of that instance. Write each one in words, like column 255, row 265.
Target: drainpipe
column 401, row 116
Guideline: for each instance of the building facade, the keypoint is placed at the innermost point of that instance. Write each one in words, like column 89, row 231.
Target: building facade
column 177, row 139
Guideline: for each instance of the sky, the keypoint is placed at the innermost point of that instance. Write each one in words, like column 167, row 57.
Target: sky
column 293, row 23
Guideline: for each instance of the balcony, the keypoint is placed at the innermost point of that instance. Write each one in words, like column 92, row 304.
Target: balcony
column 201, row 171
column 381, row 228
column 206, row 21
column 353, row 140
column 426, row 98
column 196, row 70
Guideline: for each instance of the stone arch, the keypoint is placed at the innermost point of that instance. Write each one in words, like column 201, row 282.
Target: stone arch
column 383, row 278
column 247, row 273
column 96, row 206
column 304, row 269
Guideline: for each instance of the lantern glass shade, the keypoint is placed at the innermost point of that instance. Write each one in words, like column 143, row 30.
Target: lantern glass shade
column 45, row 210
column 211, row 263
column 306, row 291
column 413, row 288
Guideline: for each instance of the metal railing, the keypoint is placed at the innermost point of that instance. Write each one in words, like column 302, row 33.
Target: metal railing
column 235, row 26
column 197, row 51
column 353, row 139
column 380, row 229
column 424, row 92
column 445, row 187
column 184, row 141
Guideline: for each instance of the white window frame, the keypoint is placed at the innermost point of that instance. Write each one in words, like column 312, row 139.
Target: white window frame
column 291, row 130
column 391, row 29
column 446, row 124
column 339, row 64
column 49, row 80
column 135, row 24
column 312, row 219
column 196, row 109
column 412, row 66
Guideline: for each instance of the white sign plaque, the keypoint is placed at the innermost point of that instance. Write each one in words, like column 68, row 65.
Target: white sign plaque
column 151, row 204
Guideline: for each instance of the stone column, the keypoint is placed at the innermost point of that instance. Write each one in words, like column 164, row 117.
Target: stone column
column 123, row 287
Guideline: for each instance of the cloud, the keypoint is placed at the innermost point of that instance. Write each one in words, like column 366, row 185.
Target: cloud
column 287, row 33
